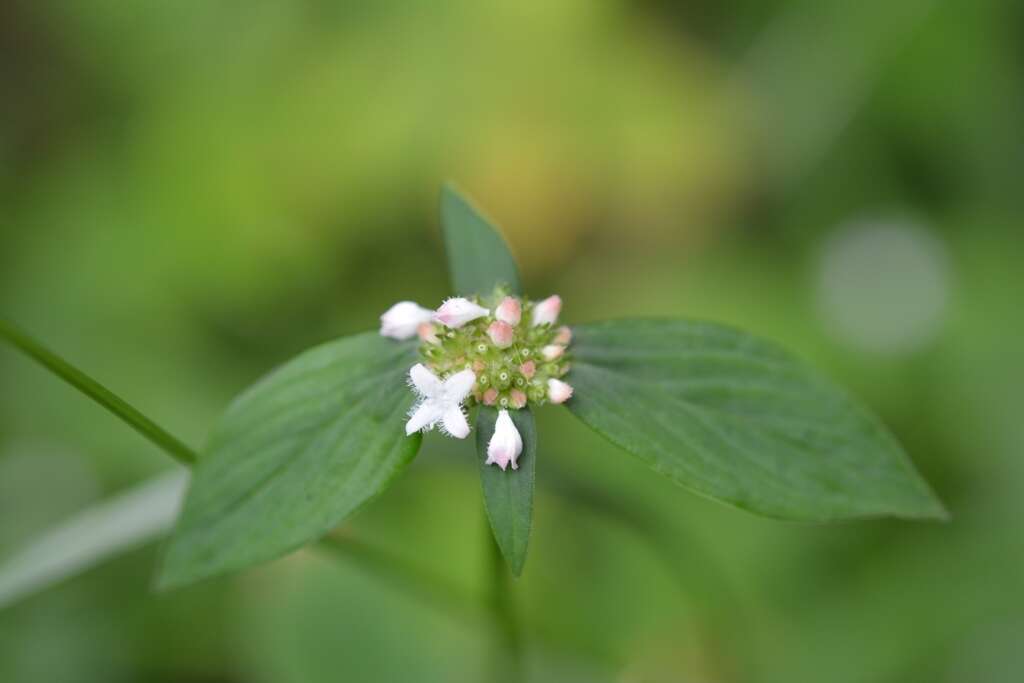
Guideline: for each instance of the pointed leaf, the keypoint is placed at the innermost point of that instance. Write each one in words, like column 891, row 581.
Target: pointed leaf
column 294, row 455
column 478, row 257
column 739, row 420
column 508, row 494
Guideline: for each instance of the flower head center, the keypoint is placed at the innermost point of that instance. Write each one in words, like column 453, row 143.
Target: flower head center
column 513, row 346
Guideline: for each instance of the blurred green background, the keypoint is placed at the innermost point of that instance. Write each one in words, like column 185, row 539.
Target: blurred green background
column 193, row 192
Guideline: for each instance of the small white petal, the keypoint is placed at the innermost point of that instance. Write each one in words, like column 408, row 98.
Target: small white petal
column 424, row 416
column 458, row 386
column 455, row 423
column 424, row 381
column 402, row 320
column 455, row 313
column 506, row 444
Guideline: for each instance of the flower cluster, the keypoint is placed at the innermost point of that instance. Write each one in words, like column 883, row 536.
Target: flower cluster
column 502, row 351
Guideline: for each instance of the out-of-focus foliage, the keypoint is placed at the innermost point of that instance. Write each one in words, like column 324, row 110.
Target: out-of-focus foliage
column 193, row 192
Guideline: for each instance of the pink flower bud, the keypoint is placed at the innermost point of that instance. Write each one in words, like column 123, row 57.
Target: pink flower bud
column 552, row 352
column 509, row 311
column 529, row 369
column 457, row 312
column 402, row 320
column 518, row 398
column 428, row 334
column 559, row 391
column 490, row 397
column 564, row 335
column 506, row 444
column 501, row 333
column 546, row 312
column 479, row 366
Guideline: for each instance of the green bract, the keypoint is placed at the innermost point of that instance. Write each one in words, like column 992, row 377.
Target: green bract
column 713, row 409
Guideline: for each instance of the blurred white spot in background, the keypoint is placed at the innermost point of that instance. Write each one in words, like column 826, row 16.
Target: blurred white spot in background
column 883, row 285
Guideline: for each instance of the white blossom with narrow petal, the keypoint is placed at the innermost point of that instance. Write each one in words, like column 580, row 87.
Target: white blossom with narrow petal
column 506, row 444
column 440, row 401
column 546, row 312
column 456, row 312
column 402, row 320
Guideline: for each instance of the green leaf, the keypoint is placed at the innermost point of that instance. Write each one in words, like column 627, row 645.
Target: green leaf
column 508, row 494
column 739, row 420
column 294, row 455
column 478, row 257
column 93, row 535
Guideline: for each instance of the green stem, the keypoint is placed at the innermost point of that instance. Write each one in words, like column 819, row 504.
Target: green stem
column 97, row 392
column 506, row 664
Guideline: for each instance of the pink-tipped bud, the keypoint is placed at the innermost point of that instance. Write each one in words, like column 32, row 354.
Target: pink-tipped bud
column 428, row 333
column 559, row 391
column 456, row 312
column 403, row 320
column 501, row 334
column 546, row 312
column 552, row 352
column 509, row 311
column 506, row 444
column 479, row 366
column 564, row 335
column 529, row 369
column 518, row 398
column 490, row 397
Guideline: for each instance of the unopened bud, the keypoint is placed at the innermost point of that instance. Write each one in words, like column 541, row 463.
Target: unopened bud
column 559, row 391
column 564, row 335
column 428, row 334
column 506, row 444
column 457, row 312
column 552, row 352
column 402, row 320
column 501, row 334
column 546, row 312
column 509, row 311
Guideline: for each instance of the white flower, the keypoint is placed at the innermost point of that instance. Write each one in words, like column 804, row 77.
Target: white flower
column 506, row 444
column 457, row 312
column 402, row 320
column 440, row 401
column 559, row 391
column 547, row 311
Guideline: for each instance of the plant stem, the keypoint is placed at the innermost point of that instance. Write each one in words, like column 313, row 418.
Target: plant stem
column 97, row 392
column 507, row 658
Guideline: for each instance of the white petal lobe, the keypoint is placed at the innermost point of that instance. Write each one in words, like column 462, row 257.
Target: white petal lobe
column 458, row 386
column 455, row 423
column 424, row 381
column 424, row 416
